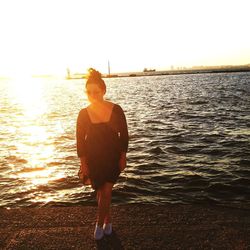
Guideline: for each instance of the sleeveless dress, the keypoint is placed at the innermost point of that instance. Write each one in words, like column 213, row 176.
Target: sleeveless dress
column 102, row 144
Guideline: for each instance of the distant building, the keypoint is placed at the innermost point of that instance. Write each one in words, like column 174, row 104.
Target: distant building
column 148, row 70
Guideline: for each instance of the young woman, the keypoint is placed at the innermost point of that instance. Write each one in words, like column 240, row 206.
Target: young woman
column 102, row 143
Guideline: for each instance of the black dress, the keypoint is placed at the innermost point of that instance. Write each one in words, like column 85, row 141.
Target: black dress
column 101, row 144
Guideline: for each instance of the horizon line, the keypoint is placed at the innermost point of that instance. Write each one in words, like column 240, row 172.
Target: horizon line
column 145, row 70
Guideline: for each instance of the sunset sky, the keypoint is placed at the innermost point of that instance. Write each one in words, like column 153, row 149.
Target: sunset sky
column 47, row 36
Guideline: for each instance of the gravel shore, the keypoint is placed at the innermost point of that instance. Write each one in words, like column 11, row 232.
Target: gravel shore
column 135, row 227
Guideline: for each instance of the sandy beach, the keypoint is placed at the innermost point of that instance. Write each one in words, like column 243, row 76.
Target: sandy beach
column 135, row 227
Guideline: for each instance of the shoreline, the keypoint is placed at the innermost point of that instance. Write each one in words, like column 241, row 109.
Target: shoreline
column 136, row 226
column 168, row 72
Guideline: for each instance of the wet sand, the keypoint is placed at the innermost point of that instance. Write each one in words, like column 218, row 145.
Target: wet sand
column 135, row 227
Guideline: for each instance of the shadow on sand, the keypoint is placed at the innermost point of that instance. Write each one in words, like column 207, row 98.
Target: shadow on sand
column 110, row 242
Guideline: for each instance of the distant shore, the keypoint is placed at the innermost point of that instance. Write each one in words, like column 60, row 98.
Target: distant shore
column 169, row 72
column 135, row 227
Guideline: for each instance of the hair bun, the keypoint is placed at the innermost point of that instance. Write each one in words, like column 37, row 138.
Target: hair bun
column 93, row 75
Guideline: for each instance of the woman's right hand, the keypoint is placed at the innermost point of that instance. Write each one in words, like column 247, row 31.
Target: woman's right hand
column 84, row 167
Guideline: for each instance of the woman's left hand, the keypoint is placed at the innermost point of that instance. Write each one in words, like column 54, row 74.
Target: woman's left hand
column 123, row 161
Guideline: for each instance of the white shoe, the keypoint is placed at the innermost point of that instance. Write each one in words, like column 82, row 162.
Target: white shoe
column 98, row 233
column 107, row 228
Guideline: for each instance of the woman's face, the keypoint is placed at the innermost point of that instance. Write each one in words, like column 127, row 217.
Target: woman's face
column 94, row 93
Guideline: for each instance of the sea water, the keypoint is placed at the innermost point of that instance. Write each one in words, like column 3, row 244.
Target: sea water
column 189, row 140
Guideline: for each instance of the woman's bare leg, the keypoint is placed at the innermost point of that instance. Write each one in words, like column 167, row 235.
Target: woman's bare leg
column 104, row 195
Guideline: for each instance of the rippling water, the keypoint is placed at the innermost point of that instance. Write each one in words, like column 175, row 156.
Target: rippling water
column 189, row 140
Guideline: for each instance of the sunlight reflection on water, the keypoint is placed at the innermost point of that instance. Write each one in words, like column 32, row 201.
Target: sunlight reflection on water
column 28, row 95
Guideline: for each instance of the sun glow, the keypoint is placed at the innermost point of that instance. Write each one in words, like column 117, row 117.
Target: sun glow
column 28, row 94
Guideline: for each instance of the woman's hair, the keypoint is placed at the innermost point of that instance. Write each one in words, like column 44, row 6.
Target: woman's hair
column 95, row 77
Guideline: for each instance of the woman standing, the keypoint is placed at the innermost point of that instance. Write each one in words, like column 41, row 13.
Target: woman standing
column 102, row 143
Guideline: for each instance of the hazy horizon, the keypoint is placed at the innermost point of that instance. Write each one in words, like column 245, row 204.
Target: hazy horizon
column 84, row 71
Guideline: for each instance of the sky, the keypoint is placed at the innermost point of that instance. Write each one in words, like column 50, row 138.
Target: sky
column 49, row 36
